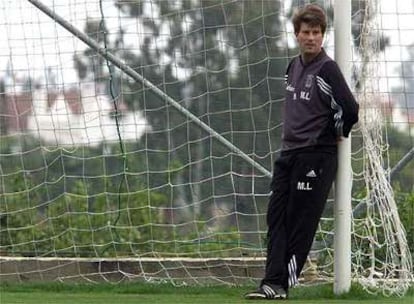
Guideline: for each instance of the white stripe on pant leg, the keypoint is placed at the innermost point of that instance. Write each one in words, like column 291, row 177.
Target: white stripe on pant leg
column 292, row 267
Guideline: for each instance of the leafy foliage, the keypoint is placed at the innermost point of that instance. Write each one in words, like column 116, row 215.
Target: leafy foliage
column 77, row 210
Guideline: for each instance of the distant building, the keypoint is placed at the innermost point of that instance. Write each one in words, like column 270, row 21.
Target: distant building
column 77, row 116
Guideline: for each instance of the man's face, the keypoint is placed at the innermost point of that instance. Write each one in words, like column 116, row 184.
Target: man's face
column 310, row 39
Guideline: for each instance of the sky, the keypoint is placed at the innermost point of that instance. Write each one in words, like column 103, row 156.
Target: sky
column 31, row 41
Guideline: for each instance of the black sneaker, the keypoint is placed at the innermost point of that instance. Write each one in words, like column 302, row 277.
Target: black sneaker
column 266, row 292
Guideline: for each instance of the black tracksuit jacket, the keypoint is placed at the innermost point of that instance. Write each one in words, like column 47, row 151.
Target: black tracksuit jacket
column 319, row 105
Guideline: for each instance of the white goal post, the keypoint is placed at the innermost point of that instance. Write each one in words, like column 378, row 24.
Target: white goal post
column 343, row 183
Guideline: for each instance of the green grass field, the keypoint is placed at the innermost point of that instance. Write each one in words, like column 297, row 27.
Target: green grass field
column 58, row 293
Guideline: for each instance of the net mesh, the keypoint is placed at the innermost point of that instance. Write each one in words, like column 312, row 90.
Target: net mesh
column 376, row 220
column 104, row 178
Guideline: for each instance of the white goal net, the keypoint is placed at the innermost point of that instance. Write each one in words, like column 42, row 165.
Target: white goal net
column 137, row 140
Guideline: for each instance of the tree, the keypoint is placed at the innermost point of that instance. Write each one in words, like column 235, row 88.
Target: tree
column 233, row 86
column 90, row 66
column 3, row 106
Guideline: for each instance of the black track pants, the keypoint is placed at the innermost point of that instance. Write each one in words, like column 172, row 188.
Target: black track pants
column 300, row 187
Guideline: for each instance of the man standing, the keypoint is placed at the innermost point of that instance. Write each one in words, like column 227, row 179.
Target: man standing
column 319, row 109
